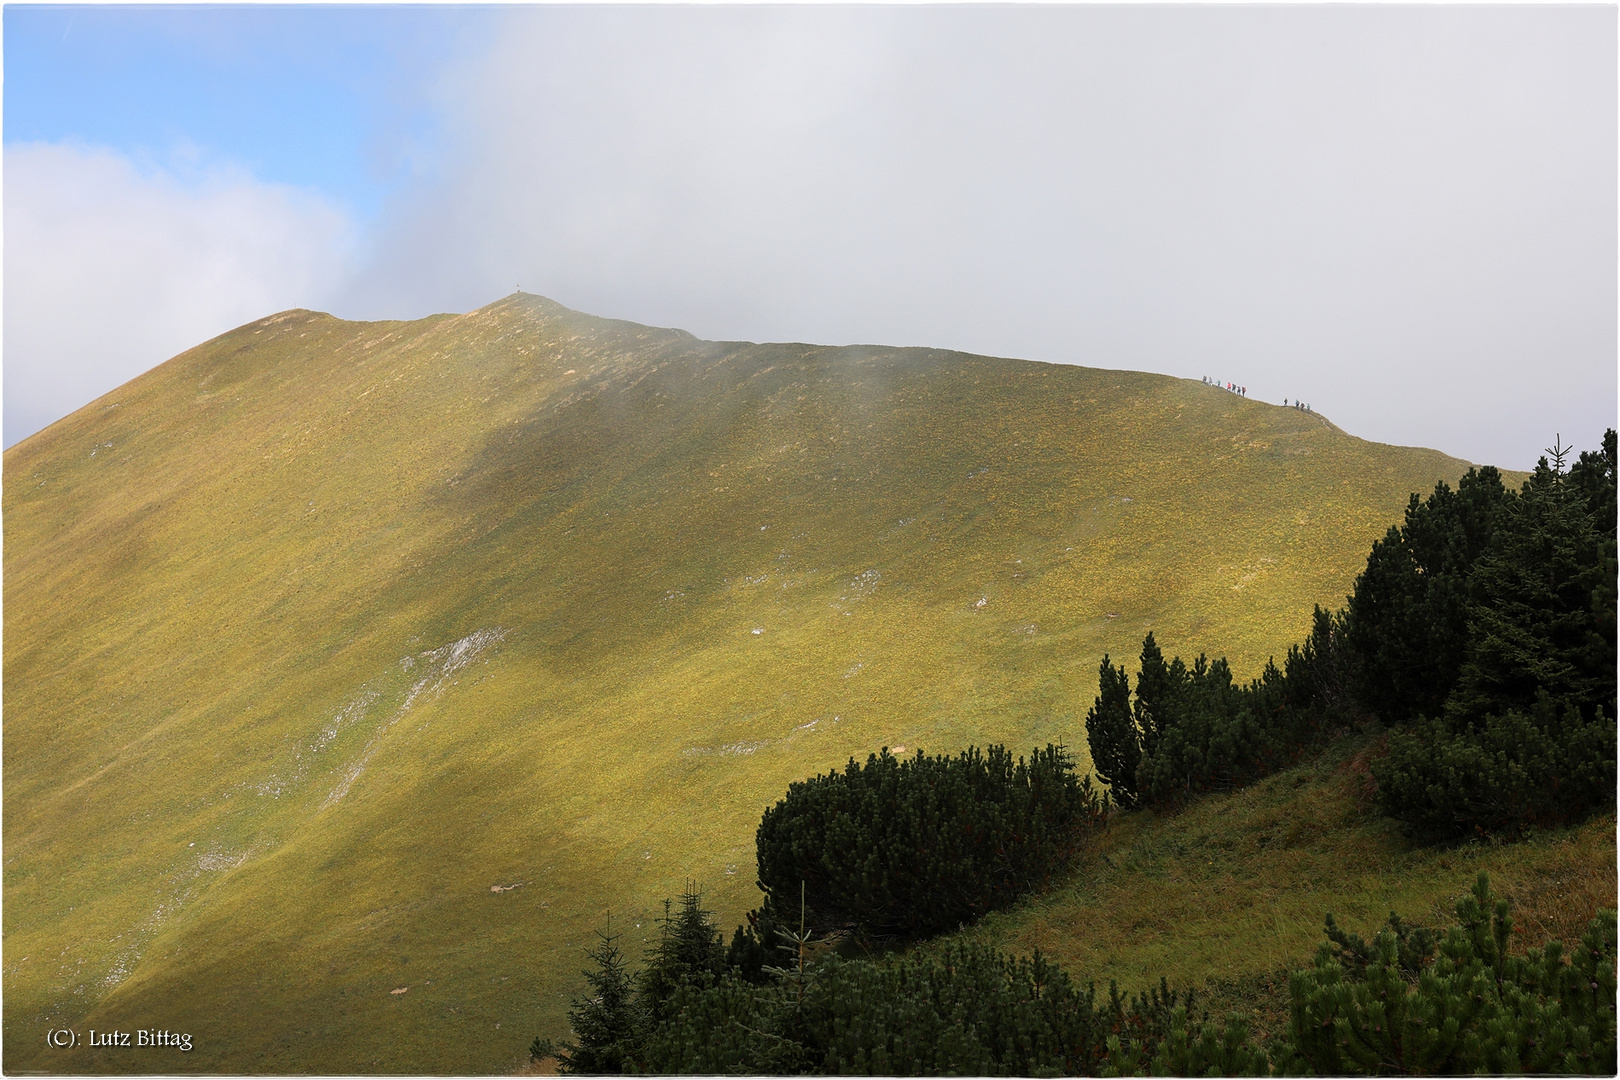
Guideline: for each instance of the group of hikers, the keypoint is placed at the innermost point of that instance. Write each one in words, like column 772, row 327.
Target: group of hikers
column 1243, row 391
column 1240, row 391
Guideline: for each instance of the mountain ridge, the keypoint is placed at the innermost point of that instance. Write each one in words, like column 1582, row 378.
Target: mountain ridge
column 700, row 570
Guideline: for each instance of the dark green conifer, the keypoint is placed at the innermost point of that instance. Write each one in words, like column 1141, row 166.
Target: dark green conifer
column 1541, row 616
column 1193, row 730
column 1593, row 475
column 608, row 1024
column 753, row 947
column 688, row 951
column 1320, row 674
column 1157, row 687
column 1545, row 765
column 1407, row 620
column 1528, row 733
column 1111, row 731
column 1410, row 1001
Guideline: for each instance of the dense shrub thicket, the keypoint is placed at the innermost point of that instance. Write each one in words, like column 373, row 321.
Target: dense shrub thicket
column 1482, row 632
column 910, row 847
column 1411, row 1001
column 1545, row 764
column 967, row 1010
column 1525, row 733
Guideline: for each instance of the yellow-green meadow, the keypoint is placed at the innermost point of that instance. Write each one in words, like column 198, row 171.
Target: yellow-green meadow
column 354, row 672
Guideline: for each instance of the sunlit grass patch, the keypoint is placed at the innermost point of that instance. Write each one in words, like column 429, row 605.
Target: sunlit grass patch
column 1227, row 894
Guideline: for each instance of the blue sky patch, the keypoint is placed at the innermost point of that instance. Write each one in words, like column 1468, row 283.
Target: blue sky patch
column 331, row 98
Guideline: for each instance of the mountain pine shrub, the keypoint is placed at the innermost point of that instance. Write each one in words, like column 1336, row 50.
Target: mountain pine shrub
column 1458, row 1003
column 1319, row 676
column 1158, row 688
column 1205, row 1050
column 1541, row 609
column 1544, row 766
column 1412, row 1001
column 965, row 1010
column 753, row 947
column 1483, row 632
column 911, row 847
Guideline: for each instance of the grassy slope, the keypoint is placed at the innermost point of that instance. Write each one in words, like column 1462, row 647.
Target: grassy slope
column 251, row 789
column 1227, row 895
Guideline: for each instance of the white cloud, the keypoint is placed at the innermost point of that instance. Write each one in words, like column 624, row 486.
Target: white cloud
column 112, row 268
column 641, row 162
column 1405, row 216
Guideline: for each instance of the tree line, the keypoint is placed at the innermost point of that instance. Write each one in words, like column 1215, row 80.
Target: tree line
column 1481, row 636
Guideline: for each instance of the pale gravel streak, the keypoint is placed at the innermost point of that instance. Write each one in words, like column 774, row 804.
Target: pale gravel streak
column 443, row 663
column 142, row 933
column 276, row 784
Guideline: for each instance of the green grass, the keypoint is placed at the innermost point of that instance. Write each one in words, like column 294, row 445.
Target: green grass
column 1229, row 894
column 224, row 580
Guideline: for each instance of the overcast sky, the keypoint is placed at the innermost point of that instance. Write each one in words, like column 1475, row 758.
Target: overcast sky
column 1405, row 216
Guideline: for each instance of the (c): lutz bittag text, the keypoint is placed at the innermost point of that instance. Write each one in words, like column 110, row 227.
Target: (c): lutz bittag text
column 141, row 1037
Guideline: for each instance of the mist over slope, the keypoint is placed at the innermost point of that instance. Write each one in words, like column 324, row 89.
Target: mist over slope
column 354, row 670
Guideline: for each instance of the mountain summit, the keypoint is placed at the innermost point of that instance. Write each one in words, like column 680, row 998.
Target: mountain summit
column 354, row 671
